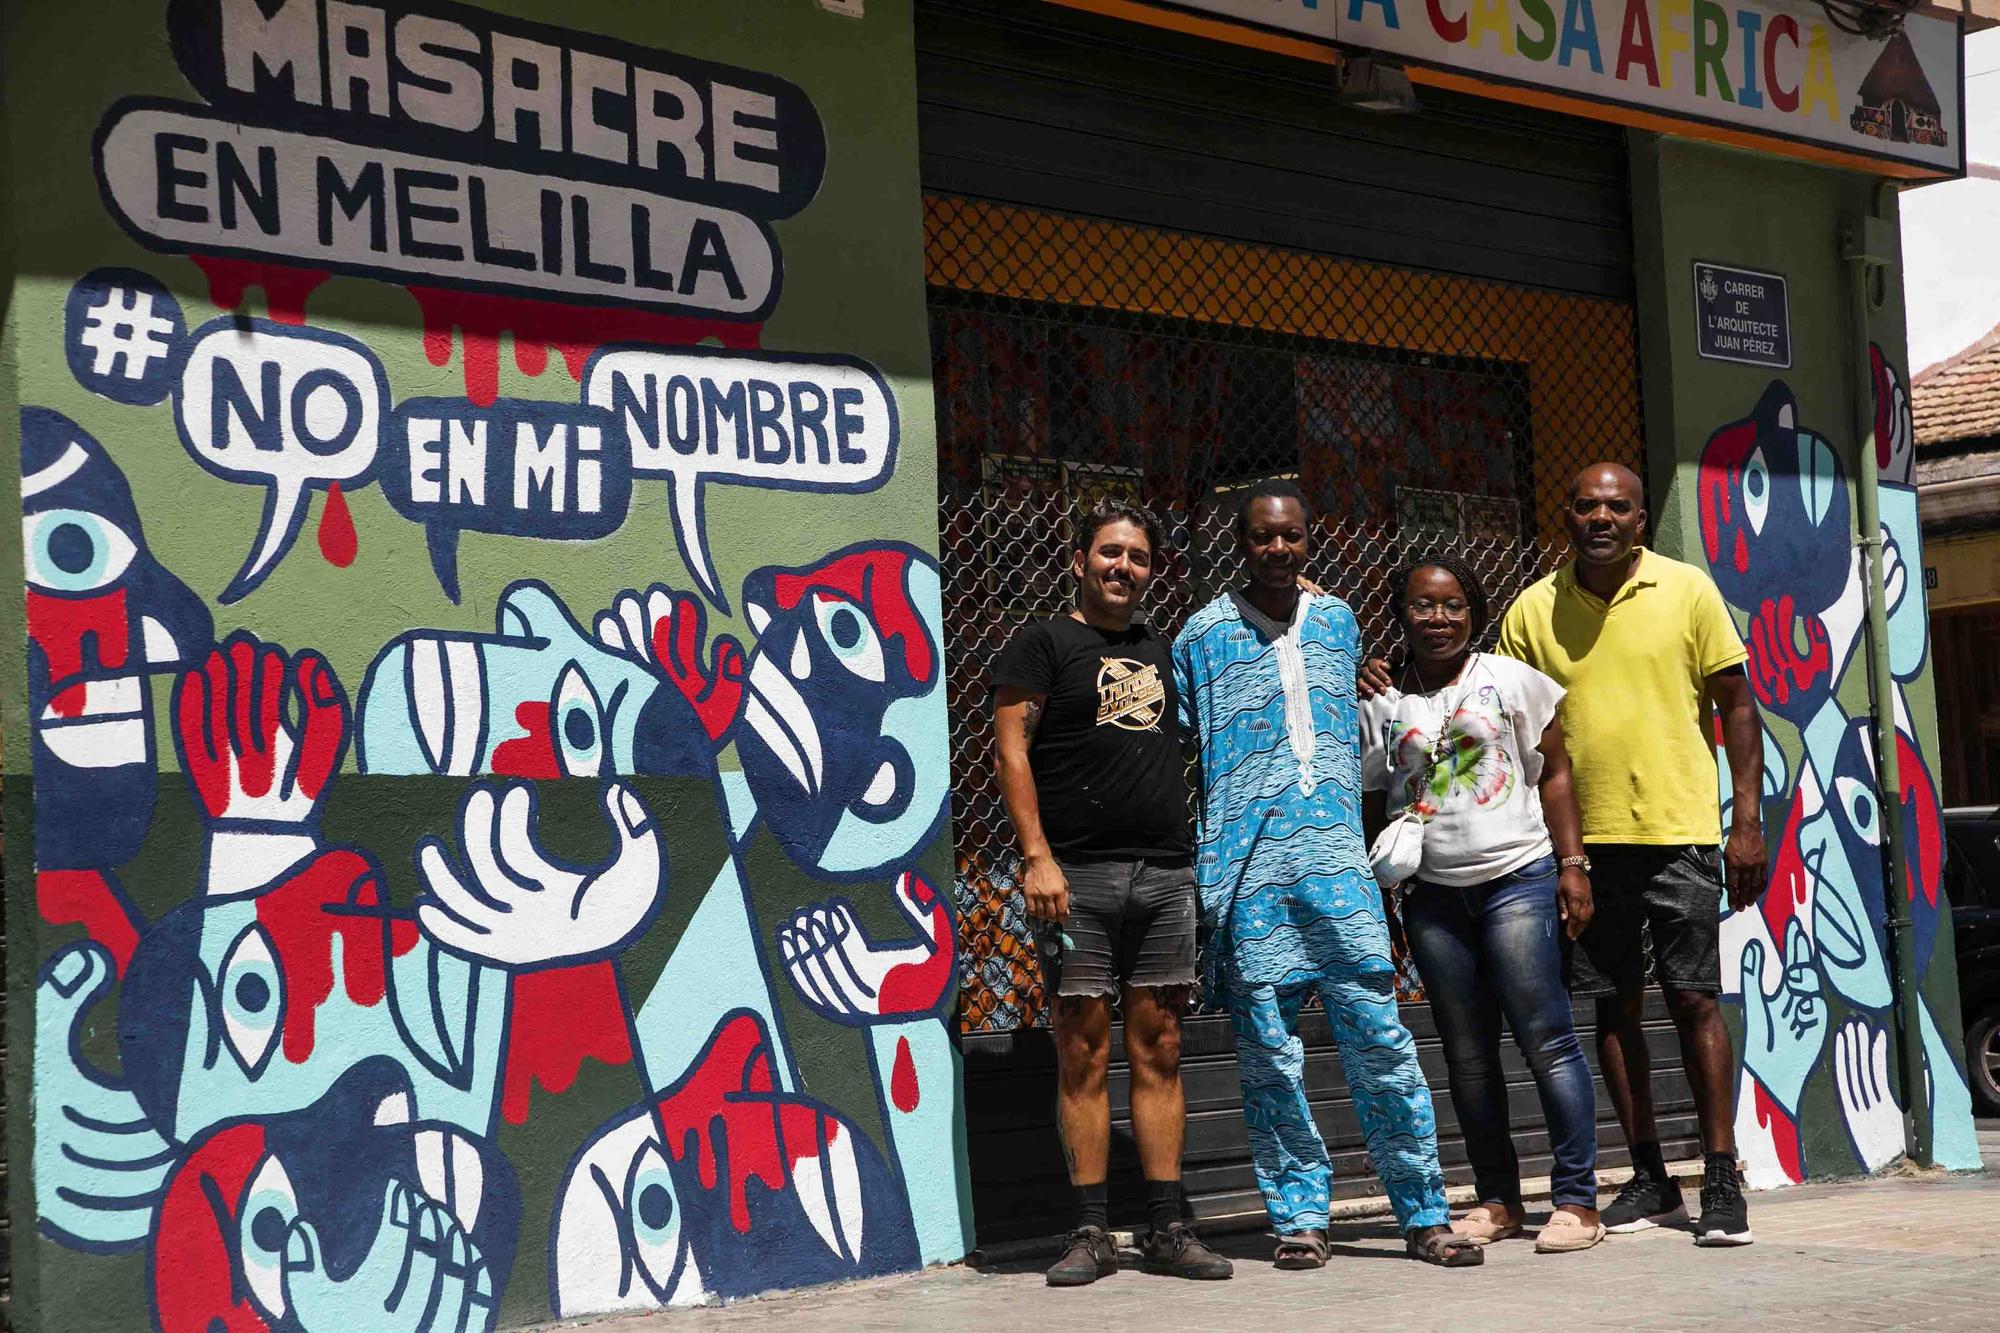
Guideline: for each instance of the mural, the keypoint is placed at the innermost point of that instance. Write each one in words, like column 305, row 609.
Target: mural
column 520, row 899
column 1809, row 966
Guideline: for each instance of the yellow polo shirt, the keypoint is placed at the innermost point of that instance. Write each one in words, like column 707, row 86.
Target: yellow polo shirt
column 1636, row 715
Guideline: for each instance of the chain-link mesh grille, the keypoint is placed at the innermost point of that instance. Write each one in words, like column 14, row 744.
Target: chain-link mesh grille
column 1075, row 357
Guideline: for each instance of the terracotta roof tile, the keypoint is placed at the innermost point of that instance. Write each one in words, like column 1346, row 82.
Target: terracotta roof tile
column 1959, row 397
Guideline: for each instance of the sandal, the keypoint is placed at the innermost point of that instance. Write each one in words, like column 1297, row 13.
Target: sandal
column 1479, row 1227
column 1442, row 1248
column 1301, row 1250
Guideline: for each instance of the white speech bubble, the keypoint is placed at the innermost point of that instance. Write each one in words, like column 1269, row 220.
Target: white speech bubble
column 283, row 407
column 770, row 419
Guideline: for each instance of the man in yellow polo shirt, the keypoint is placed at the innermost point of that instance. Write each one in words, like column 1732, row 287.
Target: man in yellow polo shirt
column 1644, row 645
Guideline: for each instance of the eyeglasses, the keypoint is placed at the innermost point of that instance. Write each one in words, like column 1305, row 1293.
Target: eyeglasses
column 1423, row 607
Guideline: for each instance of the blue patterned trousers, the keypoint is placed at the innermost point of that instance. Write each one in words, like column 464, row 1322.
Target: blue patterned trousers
column 1390, row 1097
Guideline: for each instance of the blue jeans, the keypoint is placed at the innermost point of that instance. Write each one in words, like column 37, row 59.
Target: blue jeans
column 1493, row 949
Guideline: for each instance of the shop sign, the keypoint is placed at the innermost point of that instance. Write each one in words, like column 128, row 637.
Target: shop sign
column 1769, row 67
column 1741, row 315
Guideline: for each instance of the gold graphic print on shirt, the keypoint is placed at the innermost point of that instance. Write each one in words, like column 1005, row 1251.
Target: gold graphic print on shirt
column 1130, row 694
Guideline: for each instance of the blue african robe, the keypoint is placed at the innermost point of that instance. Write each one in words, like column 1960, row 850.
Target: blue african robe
column 1289, row 905
column 1287, row 897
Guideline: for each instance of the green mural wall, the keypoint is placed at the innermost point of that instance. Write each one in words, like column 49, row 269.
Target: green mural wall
column 1752, row 479
column 474, row 731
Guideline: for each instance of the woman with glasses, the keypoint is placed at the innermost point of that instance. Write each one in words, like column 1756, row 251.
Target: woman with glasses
column 1468, row 745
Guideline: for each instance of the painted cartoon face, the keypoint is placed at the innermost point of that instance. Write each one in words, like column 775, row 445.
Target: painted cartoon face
column 843, row 743
column 227, row 1000
column 1774, row 508
column 103, row 615
column 346, row 1214
column 694, row 1191
column 537, row 698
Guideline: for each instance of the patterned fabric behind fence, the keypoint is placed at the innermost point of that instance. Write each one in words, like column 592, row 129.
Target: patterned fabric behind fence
column 1075, row 357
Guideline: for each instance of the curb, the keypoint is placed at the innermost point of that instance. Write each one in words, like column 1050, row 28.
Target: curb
column 1363, row 1209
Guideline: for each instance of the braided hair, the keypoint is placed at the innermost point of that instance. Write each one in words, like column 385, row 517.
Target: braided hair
column 1475, row 591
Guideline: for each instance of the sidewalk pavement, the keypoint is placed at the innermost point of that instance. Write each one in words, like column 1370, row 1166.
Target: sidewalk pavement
column 1897, row 1252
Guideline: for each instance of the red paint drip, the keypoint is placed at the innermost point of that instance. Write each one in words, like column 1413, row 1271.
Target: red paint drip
column 195, row 1289
column 479, row 318
column 285, row 288
column 1791, row 882
column 337, row 541
column 557, row 1019
column 726, row 1112
column 903, row 1090
column 875, row 580
column 84, row 898
column 59, row 626
column 304, row 917
column 532, row 755
column 1784, row 1132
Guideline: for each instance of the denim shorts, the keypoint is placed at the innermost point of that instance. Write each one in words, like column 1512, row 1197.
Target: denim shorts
column 1672, row 895
column 1131, row 923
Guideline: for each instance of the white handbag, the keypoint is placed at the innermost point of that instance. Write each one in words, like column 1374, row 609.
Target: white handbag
column 1398, row 850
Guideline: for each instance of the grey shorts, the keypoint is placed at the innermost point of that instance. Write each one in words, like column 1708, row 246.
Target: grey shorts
column 1672, row 895
column 1131, row 923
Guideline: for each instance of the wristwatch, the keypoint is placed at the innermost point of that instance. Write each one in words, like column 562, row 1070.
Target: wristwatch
column 1574, row 863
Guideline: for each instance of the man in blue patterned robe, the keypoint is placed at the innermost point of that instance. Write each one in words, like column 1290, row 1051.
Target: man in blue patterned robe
column 1266, row 678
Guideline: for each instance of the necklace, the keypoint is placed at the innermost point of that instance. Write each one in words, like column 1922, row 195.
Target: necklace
column 1441, row 729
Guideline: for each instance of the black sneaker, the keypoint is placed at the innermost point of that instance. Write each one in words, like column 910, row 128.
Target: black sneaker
column 1088, row 1255
column 1725, row 1219
column 1178, row 1252
column 1643, row 1204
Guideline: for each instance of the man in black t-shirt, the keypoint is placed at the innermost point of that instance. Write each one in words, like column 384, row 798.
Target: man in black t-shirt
column 1092, row 773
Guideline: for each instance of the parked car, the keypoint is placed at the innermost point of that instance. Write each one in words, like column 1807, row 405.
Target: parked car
column 1972, row 882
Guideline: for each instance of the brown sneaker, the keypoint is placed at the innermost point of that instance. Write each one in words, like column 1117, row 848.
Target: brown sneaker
column 1088, row 1256
column 1178, row 1252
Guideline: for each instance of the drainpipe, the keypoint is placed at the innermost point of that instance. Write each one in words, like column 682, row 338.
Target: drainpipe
column 1869, row 247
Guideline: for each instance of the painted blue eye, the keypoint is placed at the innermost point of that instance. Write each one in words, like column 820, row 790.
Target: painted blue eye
column 654, row 1210
column 252, row 993
column 1857, row 801
column 1756, row 490
column 847, row 631
column 270, row 1206
column 579, row 725
column 74, row 550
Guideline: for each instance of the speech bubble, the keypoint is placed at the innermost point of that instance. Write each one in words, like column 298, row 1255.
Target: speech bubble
column 558, row 471
column 772, row 419
column 291, row 409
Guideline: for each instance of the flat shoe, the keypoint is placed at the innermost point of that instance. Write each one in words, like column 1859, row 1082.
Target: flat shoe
column 1479, row 1227
column 1566, row 1232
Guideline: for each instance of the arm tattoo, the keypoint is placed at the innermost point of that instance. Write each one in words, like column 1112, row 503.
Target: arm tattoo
column 1031, row 718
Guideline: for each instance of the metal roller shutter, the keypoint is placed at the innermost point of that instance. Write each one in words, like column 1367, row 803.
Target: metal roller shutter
column 1167, row 266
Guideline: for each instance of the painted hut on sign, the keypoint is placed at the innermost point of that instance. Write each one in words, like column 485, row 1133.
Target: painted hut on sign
column 1896, row 101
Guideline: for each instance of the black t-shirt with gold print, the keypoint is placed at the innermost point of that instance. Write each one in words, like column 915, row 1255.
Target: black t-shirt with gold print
column 1107, row 755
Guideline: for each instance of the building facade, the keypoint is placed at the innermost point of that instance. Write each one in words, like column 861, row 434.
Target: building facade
column 544, row 842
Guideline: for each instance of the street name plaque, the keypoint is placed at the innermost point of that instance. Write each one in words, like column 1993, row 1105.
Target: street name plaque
column 1741, row 315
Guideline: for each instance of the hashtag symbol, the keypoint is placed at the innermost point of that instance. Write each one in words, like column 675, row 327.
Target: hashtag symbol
column 124, row 334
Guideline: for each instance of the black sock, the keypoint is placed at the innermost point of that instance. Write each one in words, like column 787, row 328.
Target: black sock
column 1646, row 1160
column 1714, row 1160
column 1091, row 1204
column 1163, row 1201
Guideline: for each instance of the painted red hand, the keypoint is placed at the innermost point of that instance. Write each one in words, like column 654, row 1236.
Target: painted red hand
column 246, row 758
column 665, row 630
column 716, row 693
column 1778, row 665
